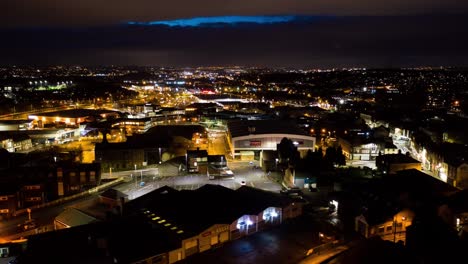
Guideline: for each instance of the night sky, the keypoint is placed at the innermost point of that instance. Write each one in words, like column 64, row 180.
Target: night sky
column 271, row 33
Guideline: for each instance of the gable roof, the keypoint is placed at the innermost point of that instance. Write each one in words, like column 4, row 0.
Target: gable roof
column 74, row 217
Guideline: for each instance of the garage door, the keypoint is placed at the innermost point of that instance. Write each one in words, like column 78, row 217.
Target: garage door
column 214, row 240
column 223, row 237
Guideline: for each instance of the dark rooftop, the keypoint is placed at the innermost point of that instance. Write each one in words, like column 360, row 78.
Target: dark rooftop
column 397, row 158
column 248, row 127
column 194, row 211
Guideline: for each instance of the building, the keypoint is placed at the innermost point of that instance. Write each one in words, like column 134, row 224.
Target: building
column 195, row 158
column 392, row 163
column 166, row 226
column 131, row 126
column 249, row 138
column 14, row 142
column 358, row 148
column 144, row 149
column 15, row 125
column 8, row 200
column 243, row 212
column 390, row 203
column 72, row 117
column 28, row 186
column 391, row 229
column 72, row 217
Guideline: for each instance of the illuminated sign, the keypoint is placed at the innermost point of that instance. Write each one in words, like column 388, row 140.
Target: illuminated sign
column 255, row 143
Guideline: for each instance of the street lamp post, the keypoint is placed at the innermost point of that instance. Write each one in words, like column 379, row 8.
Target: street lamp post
column 186, row 163
column 159, row 155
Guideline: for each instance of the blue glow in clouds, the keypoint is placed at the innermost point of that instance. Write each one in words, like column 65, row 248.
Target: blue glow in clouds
column 214, row 21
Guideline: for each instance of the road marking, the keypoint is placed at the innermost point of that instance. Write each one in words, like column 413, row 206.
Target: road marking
column 251, row 183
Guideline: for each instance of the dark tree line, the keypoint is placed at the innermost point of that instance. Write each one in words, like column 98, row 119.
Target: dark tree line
column 314, row 161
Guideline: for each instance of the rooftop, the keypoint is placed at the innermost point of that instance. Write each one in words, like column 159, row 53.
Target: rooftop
column 248, row 127
column 180, row 211
column 75, row 113
column 397, row 158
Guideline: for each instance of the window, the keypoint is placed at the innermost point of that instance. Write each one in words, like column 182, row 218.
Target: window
column 389, row 228
column 381, row 229
column 3, row 198
column 32, row 187
column 92, row 176
column 82, row 177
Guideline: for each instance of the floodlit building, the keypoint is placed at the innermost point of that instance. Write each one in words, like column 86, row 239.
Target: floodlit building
column 249, row 138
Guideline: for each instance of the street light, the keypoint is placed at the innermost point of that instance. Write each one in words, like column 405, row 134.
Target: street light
column 159, row 155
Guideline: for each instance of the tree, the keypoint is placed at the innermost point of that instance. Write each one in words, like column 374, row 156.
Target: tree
column 340, row 157
column 330, row 155
column 286, row 151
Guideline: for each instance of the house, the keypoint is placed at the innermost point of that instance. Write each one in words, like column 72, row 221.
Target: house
column 456, row 174
column 390, row 204
column 391, row 163
column 387, row 228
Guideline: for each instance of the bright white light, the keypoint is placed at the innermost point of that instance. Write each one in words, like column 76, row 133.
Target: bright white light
column 443, row 176
column 249, row 222
column 274, row 214
column 335, row 204
column 341, row 101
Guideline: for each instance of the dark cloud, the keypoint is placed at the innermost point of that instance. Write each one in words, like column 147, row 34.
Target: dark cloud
column 105, row 12
column 339, row 41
